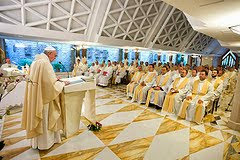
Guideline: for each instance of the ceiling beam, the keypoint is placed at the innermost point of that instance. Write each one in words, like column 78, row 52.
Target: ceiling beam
column 98, row 18
column 162, row 27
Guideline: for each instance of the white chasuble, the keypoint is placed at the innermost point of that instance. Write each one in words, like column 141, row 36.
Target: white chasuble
column 191, row 109
column 42, row 118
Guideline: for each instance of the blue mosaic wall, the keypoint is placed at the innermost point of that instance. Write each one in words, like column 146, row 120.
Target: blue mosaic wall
column 22, row 52
column 102, row 53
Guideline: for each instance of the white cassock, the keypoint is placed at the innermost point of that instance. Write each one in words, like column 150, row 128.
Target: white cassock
column 140, row 92
column 84, row 70
column 6, row 65
column 175, row 74
column 77, row 69
column 229, row 87
column 161, row 94
column 42, row 117
column 217, row 86
column 103, row 79
column 136, row 79
column 120, row 74
column 181, row 95
column 131, row 69
column 192, row 79
column 115, row 68
column 91, row 71
column 192, row 105
column 98, row 73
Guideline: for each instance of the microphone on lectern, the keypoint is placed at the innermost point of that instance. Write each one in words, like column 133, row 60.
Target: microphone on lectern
column 65, row 69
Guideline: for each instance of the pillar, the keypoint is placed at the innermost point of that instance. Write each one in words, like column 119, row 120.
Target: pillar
column 137, row 55
column 126, row 54
column 234, row 121
column 84, row 52
column 159, row 58
column 120, row 55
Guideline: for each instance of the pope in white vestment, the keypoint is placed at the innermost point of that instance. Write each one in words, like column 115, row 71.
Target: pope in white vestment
column 42, row 117
column 194, row 106
column 157, row 94
column 105, row 75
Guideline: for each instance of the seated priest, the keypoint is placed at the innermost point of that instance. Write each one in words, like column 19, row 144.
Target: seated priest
column 84, row 68
column 99, row 72
column 42, row 117
column 131, row 70
column 176, row 93
column 8, row 64
column 77, row 67
column 217, row 83
column 135, row 81
column 159, row 89
column 106, row 75
column 92, row 70
column 229, row 88
column 120, row 73
column 194, row 76
column 140, row 93
column 201, row 92
column 115, row 66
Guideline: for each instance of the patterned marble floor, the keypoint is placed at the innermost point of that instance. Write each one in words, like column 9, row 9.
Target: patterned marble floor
column 131, row 132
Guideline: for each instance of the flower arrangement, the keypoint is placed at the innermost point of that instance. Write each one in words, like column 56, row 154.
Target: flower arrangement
column 96, row 127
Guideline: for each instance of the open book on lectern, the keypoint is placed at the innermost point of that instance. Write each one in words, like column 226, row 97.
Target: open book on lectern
column 73, row 80
column 78, row 79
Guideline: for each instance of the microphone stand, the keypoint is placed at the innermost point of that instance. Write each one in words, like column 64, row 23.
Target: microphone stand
column 65, row 69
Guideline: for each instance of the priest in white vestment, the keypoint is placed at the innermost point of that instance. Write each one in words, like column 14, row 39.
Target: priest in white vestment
column 140, row 93
column 194, row 106
column 120, row 73
column 77, row 68
column 176, row 93
column 42, row 117
column 228, row 92
column 217, row 83
column 194, row 76
column 8, row 64
column 92, row 70
column 99, row 72
column 159, row 89
column 135, row 81
column 105, row 75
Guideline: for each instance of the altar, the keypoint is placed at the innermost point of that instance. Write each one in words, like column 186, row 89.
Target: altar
column 78, row 99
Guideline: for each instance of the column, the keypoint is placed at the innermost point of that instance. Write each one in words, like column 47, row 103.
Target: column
column 120, row 55
column 84, row 52
column 125, row 53
column 159, row 58
column 234, row 121
column 136, row 54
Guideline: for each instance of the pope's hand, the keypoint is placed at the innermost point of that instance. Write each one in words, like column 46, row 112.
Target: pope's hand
column 66, row 83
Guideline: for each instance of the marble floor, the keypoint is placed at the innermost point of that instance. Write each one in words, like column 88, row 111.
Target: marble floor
column 130, row 132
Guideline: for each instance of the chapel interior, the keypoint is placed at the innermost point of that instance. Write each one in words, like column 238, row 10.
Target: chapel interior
column 119, row 79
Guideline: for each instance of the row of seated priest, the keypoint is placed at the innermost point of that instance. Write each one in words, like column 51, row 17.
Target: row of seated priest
column 189, row 93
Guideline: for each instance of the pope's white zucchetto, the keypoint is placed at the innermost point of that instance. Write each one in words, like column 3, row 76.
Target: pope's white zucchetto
column 49, row 48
